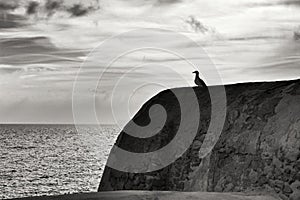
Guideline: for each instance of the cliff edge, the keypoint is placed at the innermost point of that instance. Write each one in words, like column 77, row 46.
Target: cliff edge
column 258, row 149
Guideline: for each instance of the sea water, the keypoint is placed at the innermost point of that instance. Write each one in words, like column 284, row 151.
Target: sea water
column 52, row 159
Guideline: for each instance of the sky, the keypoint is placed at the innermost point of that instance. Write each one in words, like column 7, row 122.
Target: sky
column 42, row 51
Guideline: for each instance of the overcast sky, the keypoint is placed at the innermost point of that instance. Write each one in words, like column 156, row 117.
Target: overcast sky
column 41, row 52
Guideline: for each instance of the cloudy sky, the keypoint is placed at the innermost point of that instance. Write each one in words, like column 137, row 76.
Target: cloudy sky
column 42, row 47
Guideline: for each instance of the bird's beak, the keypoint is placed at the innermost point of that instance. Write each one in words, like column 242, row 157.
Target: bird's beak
column 194, row 72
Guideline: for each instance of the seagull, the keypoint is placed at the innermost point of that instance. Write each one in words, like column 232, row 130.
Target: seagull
column 198, row 81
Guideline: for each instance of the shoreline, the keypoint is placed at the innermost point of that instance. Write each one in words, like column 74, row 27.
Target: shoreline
column 155, row 195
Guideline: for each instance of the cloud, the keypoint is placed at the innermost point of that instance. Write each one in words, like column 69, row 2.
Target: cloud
column 11, row 21
column 156, row 3
column 8, row 5
column 41, row 9
column 43, row 56
column 278, row 2
column 30, row 50
column 289, row 2
column 22, row 45
column 166, row 2
column 8, row 20
column 53, row 6
column 32, row 7
column 78, row 10
column 7, row 69
column 28, row 111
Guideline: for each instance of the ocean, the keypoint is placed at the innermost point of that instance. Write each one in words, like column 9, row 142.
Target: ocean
column 52, row 159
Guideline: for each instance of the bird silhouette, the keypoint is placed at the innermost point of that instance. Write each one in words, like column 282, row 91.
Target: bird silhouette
column 198, row 81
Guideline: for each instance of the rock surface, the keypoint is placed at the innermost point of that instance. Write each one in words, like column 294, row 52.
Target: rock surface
column 258, row 150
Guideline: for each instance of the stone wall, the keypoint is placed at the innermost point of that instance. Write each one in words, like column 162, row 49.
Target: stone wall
column 259, row 148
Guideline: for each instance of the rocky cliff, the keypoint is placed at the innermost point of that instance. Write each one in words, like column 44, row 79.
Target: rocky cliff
column 258, row 150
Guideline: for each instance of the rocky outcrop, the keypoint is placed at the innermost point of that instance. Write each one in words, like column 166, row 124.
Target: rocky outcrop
column 258, row 150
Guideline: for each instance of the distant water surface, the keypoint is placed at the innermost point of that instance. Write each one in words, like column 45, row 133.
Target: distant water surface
column 52, row 159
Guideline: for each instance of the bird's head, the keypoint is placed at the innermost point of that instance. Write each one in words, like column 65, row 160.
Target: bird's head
column 196, row 72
